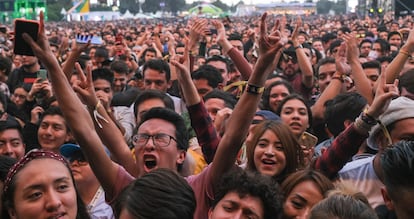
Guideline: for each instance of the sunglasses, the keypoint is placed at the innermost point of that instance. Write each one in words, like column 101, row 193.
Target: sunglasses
column 362, row 35
column 287, row 57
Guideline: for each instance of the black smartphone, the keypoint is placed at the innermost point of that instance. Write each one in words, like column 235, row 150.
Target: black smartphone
column 24, row 26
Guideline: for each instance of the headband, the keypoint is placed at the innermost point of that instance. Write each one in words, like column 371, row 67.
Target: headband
column 31, row 155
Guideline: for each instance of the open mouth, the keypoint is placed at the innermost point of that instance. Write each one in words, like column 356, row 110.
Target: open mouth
column 150, row 162
column 268, row 162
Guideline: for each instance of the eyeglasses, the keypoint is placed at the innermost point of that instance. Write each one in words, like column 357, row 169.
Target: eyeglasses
column 20, row 96
column 287, row 57
column 159, row 140
column 80, row 160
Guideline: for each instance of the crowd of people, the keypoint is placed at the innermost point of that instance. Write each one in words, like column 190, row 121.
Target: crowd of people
column 265, row 117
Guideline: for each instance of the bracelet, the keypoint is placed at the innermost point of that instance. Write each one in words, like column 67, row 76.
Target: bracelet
column 254, row 89
column 340, row 78
column 404, row 52
column 362, row 125
column 368, row 119
column 97, row 115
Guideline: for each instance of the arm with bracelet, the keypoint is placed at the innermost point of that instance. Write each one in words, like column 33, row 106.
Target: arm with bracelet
column 346, row 144
column 362, row 83
column 394, row 68
column 304, row 62
column 335, row 87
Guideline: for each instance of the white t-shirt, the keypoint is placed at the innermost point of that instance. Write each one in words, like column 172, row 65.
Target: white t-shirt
column 361, row 175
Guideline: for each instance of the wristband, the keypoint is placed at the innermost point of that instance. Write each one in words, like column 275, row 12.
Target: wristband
column 340, row 78
column 368, row 119
column 97, row 115
column 254, row 89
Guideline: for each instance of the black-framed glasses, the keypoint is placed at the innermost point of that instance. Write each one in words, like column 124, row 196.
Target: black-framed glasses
column 159, row 140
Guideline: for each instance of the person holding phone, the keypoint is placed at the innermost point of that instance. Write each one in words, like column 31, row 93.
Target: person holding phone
column 26, row 74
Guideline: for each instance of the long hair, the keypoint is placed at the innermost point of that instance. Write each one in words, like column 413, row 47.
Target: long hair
column 291, row 148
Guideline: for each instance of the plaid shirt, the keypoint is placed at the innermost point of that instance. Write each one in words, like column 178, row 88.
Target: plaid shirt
column 344, row 146
column 203, row 126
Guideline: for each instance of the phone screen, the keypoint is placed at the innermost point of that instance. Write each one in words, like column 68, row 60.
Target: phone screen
column 24, row 26
column 42, row 73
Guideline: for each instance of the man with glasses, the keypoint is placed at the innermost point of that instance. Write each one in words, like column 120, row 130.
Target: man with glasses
column 88, row 186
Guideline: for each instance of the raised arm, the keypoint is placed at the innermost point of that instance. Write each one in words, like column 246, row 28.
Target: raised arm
column 105, row 126
column 335, row 85
column 76, row 116
column 393, row 70
column 239, row 61
column 362, row 83
column 69, row 64
column 239, row 121
column 305, row 64
column 200, row 120
column 348, row 142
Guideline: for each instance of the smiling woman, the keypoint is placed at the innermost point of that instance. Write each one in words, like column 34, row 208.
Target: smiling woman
column 40, row 185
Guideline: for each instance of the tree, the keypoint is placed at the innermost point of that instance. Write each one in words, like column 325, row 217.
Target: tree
column 323, row 6
column 54, row 8
column 221, row 5
column 339, row 7
column 151, row 6
column 131, row 5
column 175, row 5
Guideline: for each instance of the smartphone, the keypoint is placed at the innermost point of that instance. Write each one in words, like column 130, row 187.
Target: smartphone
column 96, row 40
column 308, row 140
column 42, row 73
column 213, row 31
column 24, row 26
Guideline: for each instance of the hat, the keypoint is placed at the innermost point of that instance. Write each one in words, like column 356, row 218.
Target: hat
column 68, row 150
column 399, row 109
column 268, row 115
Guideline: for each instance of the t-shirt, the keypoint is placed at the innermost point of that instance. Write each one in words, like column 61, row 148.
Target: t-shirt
column 201, row 185
column 361, row 175
column 98, row 208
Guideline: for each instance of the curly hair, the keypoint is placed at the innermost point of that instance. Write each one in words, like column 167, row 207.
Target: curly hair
column 253, row 184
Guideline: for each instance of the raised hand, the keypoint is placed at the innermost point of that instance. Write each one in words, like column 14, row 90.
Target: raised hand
column 340, row 60
column 199, row 28
column 84, row 86
column 269, row 44
column 295, row 33
column 41, row 47
column 383, row 96
column 352, row 47
column 221, row 31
